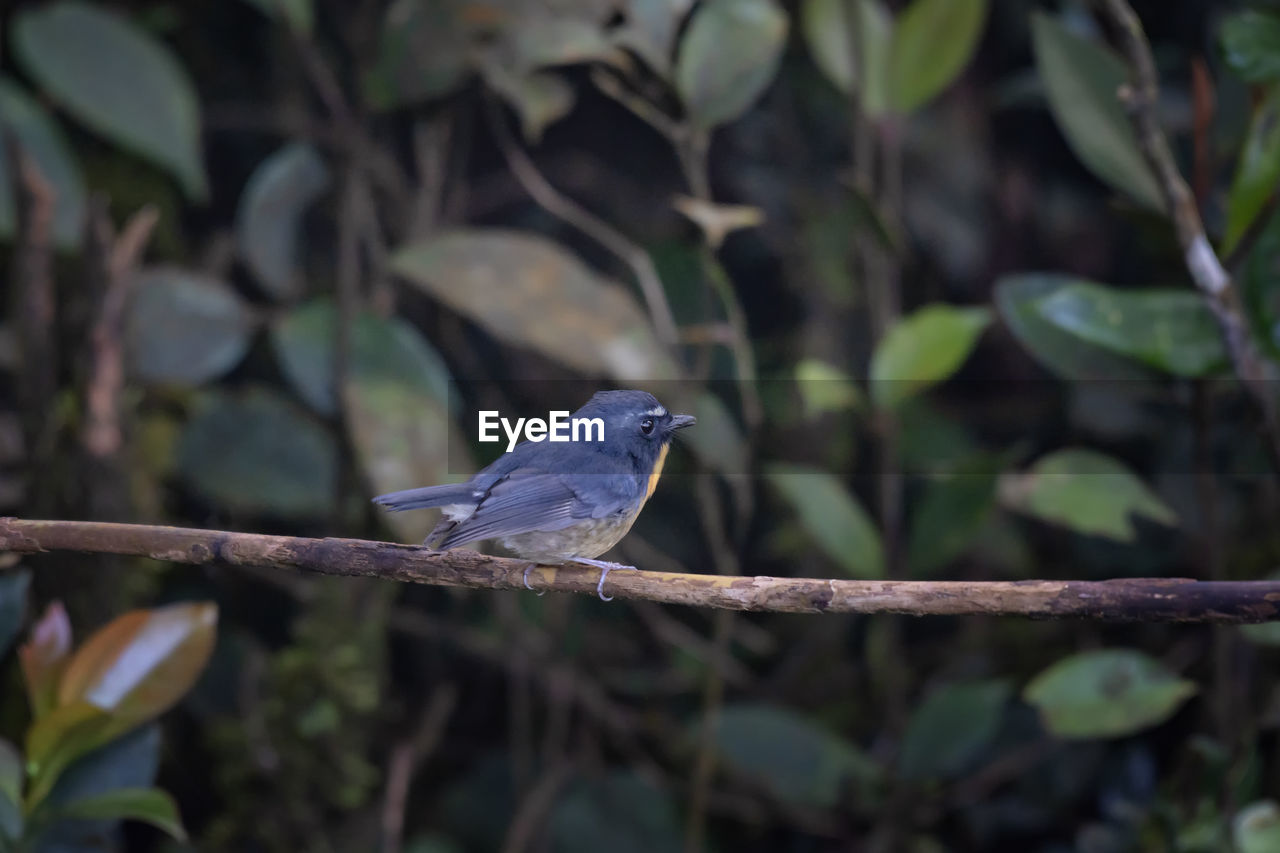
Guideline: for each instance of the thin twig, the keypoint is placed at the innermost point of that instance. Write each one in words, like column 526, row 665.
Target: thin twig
column 1213, row 281
column 407, row 757
column 565, row 208
column 1121, row 600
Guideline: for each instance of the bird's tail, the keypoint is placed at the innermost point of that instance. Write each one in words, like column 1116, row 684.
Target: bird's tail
column 426, row 496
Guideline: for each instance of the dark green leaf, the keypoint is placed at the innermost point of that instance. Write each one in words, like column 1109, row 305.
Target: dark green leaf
column 948, row 518
column 924, row 349
column 150, row 805
column 789, row 755
column 299, row 15
column 1256, row 828
column 1110, row 693
column 117, row 80
column 1251, row 44
column 421, row 54
column 380, row 350
column 42, row 139
column 13, row 605
column 932, row 43
column 826, row 30
column 256, row 453
column 500, row 279
column 833, row 517
column 11, row 821
column 621, row 813
column 11, row 773
column 951, row 727
column 1082, row 79
column 718, row 85
column 1084, row 491
column 184, row 327
column 1257, row 171
column 1066, row 355
column 56, row 740
column 130, row 761
column 1169, row 329
column 270, row 215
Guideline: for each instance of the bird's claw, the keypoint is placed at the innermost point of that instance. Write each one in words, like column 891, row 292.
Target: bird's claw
column 605, row 568
column 527, row 569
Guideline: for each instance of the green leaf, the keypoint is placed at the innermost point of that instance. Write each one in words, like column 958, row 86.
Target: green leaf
column 421, row 54
column 298, row 15
column 58, row 739
column 826, row 31
column 789, row 755
column 621, row 813
column 184, row 327
column 256, row 453
column 1082, row 79
column 948, row 518
column 718, row 85
column 11, row 773
column 650, row 30
column 924, row 349
column 1110, row 693
column 150, row 805
column 1256, row 828
column 833, row 517
column 381, row 349
column 269, row 218
column 951, row 727
column 1067, row 356
column 1169, row 329
column 11, row 820
column 717, row 440
column 13, row 604
column 539, row 98
column 129, row 761
column 116, row 79
column 40, row 136
column 44, row 657
column 528, row 291
column 1084, row 491
column 1257, row 171
column 932, row 43
column 1251, row 44
column 824, row 388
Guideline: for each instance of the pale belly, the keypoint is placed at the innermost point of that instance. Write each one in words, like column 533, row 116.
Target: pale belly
column 586, row 539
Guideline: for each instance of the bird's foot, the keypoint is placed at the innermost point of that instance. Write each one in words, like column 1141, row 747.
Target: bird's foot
column 604, row 567
column 527, row 569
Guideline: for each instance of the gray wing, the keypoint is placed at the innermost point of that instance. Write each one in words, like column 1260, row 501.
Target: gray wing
column 529, row 500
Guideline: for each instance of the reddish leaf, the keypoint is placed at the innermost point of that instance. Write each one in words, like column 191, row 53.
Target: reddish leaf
column 44, row 657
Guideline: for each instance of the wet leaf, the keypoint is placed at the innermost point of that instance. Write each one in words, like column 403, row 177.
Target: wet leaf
column 826, row 31
column 421, row 54
column 149, row 805
column 271, row 211
column 1081, row 79
column 299, row 15
column 621, row 813
column 951, row 727
column 256, row 453
column 795, row 759
column 948, row 519
column 1251, row 44
column 381, row 349
column 1256, row 828
column 933, row 41
column 650, row 30
column 116, row 79
column 1110, row 693
column 43, row 140
column 13, row 605
column 44, row 657
column 825, row 388
column 923, row 349
column 1169, row 329
column 501, row 279
column 1084, row 491
column 718, row 85
column 140, row 664
column 184, row 327
column 833, row 517
column 1257, row 170
column 1067, row 356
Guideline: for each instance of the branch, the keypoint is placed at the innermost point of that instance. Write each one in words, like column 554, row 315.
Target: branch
column 1212, row 280
column 1125, row 600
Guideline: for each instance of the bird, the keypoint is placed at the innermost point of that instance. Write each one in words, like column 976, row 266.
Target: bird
column 564, row 501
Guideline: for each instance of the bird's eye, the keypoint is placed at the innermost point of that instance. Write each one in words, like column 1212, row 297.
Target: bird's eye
column 646, row 426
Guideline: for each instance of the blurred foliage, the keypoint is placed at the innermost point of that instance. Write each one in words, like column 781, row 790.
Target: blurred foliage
column 904, row 260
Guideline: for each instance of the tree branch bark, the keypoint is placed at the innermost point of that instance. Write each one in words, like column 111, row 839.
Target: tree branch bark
column 1124, row 600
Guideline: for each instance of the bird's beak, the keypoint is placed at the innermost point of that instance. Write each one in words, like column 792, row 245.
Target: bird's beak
column 682, row 421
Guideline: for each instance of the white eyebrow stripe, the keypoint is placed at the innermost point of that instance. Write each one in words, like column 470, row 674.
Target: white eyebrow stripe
column 657, row 412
